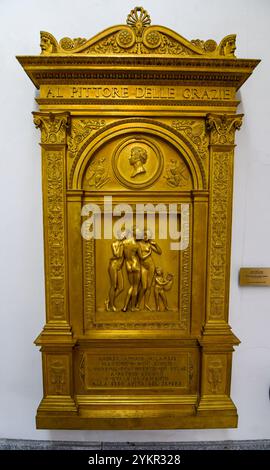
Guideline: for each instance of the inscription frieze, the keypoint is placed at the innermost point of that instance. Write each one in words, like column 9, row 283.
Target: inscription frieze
column 125, row 92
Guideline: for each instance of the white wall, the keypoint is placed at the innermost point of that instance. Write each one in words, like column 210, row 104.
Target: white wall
column 22, row 287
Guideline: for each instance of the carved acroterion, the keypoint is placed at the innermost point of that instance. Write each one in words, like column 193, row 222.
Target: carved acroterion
column 138, row 37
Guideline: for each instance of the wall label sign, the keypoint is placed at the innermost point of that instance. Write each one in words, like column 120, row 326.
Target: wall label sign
column 254, row 277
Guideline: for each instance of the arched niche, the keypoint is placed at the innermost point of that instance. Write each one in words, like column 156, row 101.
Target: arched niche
column 156, row 131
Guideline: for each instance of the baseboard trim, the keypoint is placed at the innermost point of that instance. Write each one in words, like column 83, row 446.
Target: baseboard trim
column 22, row 444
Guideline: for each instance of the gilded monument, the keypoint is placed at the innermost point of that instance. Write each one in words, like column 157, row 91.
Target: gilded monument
column 137, row 140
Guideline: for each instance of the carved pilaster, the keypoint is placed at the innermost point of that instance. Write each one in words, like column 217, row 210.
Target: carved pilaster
column 54, row 128
column 222, row 129
column 217, row 341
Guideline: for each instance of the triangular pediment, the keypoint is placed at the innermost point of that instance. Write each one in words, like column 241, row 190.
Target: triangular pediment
column 138, row 37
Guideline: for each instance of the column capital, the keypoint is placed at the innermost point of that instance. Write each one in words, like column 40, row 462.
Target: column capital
column 53, row 126
column 222, row 127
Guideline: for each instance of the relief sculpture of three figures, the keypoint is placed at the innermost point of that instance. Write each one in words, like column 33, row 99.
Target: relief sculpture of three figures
column 133, row 251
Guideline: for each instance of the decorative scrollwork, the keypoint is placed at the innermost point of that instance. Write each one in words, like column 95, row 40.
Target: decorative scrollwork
column 125, row 38
column 220, row 197
column 195, row 131
column 226, row 47
column 68, row 44
column 80, row 130
column 56, row 253
column 152, row 38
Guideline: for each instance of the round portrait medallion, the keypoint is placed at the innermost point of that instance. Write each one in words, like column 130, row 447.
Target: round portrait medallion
column 137, row 162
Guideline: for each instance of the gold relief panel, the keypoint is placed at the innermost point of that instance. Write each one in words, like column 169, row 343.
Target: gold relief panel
column 137, row 333
column 145, row 284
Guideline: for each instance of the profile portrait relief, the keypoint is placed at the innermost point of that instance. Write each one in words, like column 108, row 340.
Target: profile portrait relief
column 137, row 159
